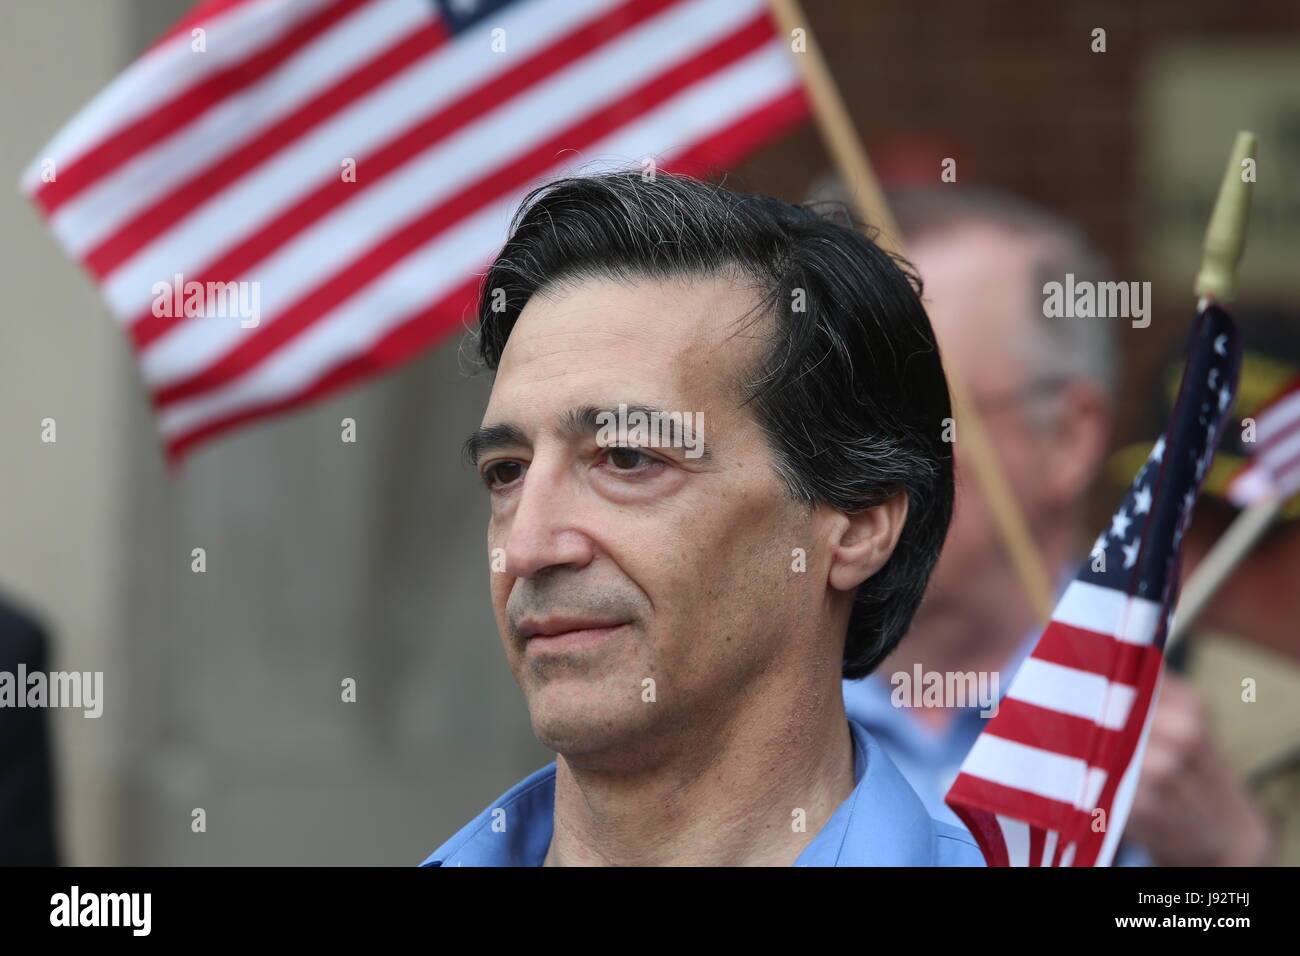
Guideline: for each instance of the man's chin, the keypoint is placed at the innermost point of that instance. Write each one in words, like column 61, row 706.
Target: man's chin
column 588, row 728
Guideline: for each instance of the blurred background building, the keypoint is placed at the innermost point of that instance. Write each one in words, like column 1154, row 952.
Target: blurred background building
column 328, row 560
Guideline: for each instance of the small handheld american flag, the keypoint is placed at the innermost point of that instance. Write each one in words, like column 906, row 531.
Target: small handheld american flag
column 1050, row 780
column 1274, row 466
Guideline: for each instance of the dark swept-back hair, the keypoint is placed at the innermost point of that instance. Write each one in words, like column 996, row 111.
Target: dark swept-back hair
column 850, row 392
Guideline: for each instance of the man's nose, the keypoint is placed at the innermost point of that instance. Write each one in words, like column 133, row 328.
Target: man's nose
column 542, row 532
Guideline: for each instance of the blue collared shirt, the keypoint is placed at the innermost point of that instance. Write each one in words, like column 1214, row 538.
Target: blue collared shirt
column 881, row 823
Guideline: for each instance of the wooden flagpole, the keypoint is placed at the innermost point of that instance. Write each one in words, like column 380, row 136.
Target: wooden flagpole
column 855, row 169
column 1217, row 566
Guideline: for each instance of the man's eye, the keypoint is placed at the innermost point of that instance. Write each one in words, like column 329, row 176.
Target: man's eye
column 629, row 459
column 502, row 473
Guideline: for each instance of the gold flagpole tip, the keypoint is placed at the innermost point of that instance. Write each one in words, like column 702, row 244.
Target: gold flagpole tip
column 1226, row 236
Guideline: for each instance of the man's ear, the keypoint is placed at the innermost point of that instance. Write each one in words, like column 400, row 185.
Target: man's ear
column 862, row 543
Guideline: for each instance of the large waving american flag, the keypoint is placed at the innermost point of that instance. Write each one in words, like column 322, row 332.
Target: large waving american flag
column 1050, row 780
column 282, row 197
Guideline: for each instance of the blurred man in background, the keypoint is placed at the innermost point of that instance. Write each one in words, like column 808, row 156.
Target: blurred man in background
column 1045, row 390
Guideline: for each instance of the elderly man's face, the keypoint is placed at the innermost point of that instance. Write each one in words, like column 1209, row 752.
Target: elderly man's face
column 976, row 280
column 655, row 586
column 1049, row 433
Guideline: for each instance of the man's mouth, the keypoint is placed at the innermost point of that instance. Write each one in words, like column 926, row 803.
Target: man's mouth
column 566, row 633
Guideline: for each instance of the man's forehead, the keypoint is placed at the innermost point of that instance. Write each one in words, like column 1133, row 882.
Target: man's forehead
column 671, row 343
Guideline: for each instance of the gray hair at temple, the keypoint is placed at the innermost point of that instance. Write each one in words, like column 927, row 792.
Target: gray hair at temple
column 1068, row 349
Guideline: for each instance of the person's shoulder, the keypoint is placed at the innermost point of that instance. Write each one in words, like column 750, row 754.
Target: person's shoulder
column 953, row 846
column 508, row 831
column 23, row 638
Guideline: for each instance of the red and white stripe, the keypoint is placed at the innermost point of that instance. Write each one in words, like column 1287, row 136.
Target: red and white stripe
column 1274, row 466
column 1068, row 736
column 225, row 165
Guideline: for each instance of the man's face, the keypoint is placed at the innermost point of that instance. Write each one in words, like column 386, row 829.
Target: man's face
column 656, row 586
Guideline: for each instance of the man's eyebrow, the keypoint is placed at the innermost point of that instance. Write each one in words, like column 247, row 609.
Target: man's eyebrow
column 589, row 420
column 576, row 422
column 489, row 437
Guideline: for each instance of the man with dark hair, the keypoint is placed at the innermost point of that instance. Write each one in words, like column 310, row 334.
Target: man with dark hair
column 679, row 611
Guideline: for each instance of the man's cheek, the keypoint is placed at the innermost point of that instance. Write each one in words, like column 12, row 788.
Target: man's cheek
column 499, row 590
column 499, row 586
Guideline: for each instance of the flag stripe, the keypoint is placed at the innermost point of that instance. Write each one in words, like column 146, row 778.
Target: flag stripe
column 1091, row 651
column 171, row 64
column 1092, row 607
column 1073, row 692
column 1019, row 841
column 153, row 220
column 127, row 142
column 98, row 212
column 1274, row 465
column 1041, row 727
column 1280, row 456
column 1279, row 423
column 1026, row 806
column 398, row 344
column 1045, row 773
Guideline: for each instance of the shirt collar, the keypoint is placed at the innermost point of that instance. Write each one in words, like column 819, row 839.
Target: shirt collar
column 881, row 823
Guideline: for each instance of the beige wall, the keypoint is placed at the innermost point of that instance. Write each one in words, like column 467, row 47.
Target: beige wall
column 325, row 560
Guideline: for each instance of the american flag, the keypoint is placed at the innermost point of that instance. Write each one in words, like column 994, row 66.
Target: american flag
column 1274, row 466
column 1050, row 779
column 282, row 197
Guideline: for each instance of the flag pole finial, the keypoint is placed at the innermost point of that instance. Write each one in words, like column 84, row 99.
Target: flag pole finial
column 1226, row 235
